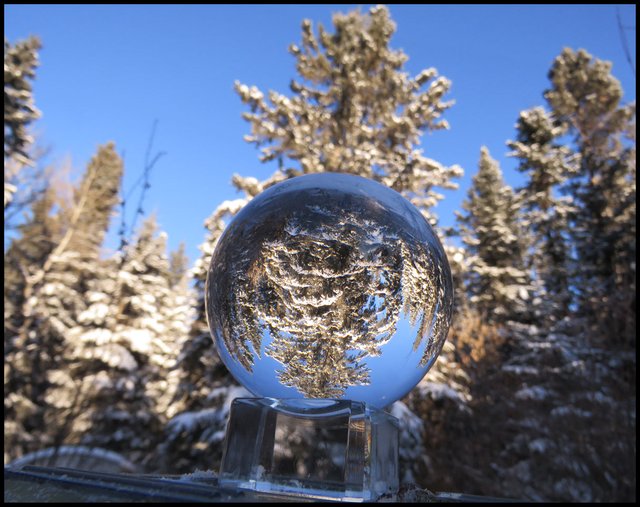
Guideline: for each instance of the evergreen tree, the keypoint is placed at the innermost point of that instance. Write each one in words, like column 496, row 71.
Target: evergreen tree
column 126, row 343
column 154, row 312
column 586, row 98
column 53, row 296
column 548, row 164
column 205, row 389
column 200, row 366
column 20, row 62
column 25, row 180
column 25, row 256
column 460, row 265
column 354, row 110
column 498, row 283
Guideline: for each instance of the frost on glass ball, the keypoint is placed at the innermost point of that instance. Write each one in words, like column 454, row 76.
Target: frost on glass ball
column 329, row 286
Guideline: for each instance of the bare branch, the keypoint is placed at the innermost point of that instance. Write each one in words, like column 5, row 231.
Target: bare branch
column 149, row 163
column 623, row 39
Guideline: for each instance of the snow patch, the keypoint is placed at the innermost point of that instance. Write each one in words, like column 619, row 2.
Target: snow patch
column 540, row 445
column 536, row 393
column 520, row 369
column 569, row 410
column 437, row 391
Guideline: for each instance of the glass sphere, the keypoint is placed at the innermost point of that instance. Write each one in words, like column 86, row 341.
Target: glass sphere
column 329, row 286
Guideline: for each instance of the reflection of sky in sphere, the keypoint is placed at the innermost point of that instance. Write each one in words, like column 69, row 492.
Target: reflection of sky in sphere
column 329, row 286
column 393, row 374
column 263, row 381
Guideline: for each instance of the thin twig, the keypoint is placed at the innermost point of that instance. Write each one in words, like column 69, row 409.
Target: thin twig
column 148, row 165
column 123, row 210
column 623, row 38
column 125, row 237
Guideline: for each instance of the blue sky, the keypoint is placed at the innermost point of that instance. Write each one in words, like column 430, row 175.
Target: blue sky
column 108, row 71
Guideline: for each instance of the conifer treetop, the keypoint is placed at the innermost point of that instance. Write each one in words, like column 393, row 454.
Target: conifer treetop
column 20, row 63
column 354, row 109
column 93, row 202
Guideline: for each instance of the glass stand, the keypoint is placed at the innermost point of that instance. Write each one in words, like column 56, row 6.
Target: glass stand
column 311, row 448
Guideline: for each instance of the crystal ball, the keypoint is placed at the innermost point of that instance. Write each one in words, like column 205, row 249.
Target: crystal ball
column 329, row 286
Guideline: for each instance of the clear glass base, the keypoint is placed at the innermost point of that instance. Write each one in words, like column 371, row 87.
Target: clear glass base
column 312, row 448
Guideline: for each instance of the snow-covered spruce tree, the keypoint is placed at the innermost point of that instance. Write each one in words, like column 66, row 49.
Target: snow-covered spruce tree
column 152, row 317
column 498, row 282
column 460, row 265
column 25, row 177
column 179, row 314
column 53, row 297
column 586, row 98
column 352, row 109
column 126, row 345
column 26, row 255
column 548, row 164
column 540, row 392
column 20, row 62
column 355, row 110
